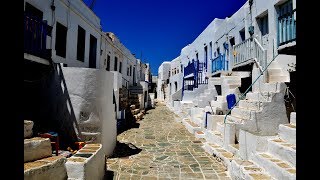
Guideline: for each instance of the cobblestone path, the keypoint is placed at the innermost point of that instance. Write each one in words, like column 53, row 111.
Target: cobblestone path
column 164, row 150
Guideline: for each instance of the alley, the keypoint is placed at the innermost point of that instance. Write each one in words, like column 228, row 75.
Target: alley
column 162, row 148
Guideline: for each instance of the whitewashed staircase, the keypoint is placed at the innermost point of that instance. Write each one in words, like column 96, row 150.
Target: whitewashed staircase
column 280, row 158
column 38, row 160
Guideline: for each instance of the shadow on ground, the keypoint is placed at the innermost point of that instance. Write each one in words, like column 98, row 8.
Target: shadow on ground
column 123, row 150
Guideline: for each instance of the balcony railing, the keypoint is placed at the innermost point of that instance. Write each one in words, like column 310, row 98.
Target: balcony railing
column 189, row 69
column 250, row 49
column 287, row 28
column 219, row 63
column 125, row 83
column 35, row 37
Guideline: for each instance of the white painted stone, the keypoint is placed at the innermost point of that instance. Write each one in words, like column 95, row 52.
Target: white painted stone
column 229, row 134
column 37, row 148
column 92, row 168
column 28, row 125
column 52, row 168
column 287, row 133
column 91, row 92
column 272, row 168
column 293, row 119
column 283, row 152
column 250, row 143
column 249, row 104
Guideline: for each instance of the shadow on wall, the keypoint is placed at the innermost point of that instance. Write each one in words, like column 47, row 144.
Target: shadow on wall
column 47, row 102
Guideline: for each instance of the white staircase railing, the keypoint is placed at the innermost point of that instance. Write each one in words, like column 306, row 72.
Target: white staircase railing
column 250, row 49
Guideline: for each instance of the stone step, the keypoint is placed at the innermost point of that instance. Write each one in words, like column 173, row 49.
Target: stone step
column 214, row 137
column 277, row 78
column 241, row 169
column 46, row 168
column 37, row 148
column 221, row 105
column 190, row 126
column 214, row 81
column 220, row 127
column 233, row 148
column 287, row 132
column 282, row 150
column 249, row 104
column 269, row 87
column 232, row 81
column 274, row 166
column 257, row 96
column 275, row 71
column 243, row 113
column 233, row 119
column 28, row 125
column 199, row 134
column 221, row 154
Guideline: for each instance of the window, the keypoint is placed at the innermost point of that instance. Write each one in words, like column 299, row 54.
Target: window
column 92, row 52
column 177, row 70
column 108, row 63
column 175, row 86
column 263, row 25
column 232, row 41
column 127, row 71
column 206, row 56
column 130, row 70
column 210, row 44
column 115, row 63
column 81, row 43
column 242, row 35
column 181, row 68
column 197, row 57
column 120, row 67
column 61, row 40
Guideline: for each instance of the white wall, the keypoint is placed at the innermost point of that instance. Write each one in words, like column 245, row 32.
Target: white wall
column 71, row 14
column 90, row 92
column 163, row 75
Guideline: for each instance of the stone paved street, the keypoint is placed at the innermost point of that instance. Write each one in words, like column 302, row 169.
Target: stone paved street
column 163, row 149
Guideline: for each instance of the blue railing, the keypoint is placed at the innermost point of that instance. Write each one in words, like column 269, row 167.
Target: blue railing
column 219, row 63
column 286, row 28
column 35, row 37
column 189, row 69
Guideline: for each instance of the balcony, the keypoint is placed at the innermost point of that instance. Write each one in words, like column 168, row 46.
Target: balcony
column 219, row 64
column 287, row 28
column 250, row 50
column 35, row 37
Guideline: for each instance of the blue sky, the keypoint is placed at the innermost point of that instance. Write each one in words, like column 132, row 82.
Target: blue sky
column 159, row 29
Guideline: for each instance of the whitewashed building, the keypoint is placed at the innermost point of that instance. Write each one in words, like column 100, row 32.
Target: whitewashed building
column 238, row 89
column 81, row 73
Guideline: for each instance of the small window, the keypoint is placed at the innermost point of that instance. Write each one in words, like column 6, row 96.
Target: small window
column 181, row 68
column 263, row 25
column 115, row 63
column 120, row 67
column 242, row 35
column 128, row 71
column 108, row 63
column 61, row 40
column 81, row 43
column 232, row 41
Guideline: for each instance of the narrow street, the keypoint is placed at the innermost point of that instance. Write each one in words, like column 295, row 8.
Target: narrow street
column 161, row 148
